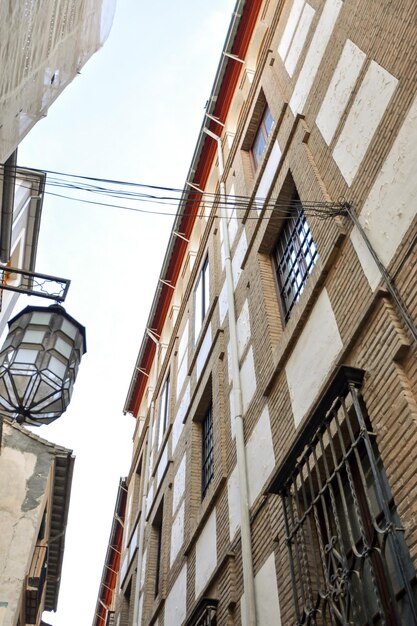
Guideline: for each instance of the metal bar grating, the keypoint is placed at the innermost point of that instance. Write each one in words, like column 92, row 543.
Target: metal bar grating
column 348, row 558
column 207, row 465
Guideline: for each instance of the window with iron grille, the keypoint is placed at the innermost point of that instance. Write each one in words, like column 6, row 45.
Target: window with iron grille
column 295, row 255
column 157, row 528
column 207, row 452
column 349, row 561
column 201, row 298
column 205, row 613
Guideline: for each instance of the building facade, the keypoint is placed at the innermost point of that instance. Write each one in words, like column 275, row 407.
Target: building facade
column 21, row 200
column 42, row 47
column 35, row 486
column 273, row 477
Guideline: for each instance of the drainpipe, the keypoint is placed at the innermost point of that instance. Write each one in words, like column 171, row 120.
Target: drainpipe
column 247, row 561
column 141, row 529
column 7, row 202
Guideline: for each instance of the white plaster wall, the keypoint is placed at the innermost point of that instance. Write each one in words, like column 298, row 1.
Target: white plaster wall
column 299, row 39
column 392, row 202
column 370, row 268
column 237, row 260
column 290, row 27
column 203, row 352
column 177, row 534
column 149, row 498
column 233, row 502
column 205, row 554
column 179, row 484
column 340, row 89
column 268, row 175
column 268, row 611
column 223, row 304
column 178, row 425
column 371, row 101
column 260, row 456
column 22, row 492
column 176, row 602
column 315, row 54
column 222, row 257
column 313, row 356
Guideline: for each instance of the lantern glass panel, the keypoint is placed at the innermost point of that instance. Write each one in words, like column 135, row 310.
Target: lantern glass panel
column 25, row 355
column 40, row 318
column 33, row 336
column 63, row 347
column 69, row 329
column 56, row 367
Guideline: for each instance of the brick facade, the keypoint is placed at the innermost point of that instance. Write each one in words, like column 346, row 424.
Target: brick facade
column 346, row 313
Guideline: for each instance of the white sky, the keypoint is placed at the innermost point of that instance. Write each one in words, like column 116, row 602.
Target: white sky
column 133, row 114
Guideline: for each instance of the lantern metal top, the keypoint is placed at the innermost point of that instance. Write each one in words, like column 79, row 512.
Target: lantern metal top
column 54, row 308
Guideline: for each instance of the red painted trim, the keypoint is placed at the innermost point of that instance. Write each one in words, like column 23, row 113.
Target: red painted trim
column 227, row 89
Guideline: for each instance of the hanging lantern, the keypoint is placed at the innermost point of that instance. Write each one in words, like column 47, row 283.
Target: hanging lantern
column 38, row 364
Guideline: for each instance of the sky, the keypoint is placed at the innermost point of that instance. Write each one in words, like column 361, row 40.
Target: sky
column 133, row 114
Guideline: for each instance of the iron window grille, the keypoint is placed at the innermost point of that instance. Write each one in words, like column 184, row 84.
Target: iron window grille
column 207, row 453
column 205, row 613
column 201, row 298
column 261, row 137
column 295, row 255
column 157, row 525
column 348, row 558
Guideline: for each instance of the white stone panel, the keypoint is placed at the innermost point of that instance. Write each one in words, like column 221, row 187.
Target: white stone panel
column 369, row 106
column 248, row 380
column 177, row 533
column 243, row 329
column 315, row 54
column 229, row 363
column 340, row 89
column 178, row 422
column 238, row 256
column 223, row 303
column 232, row 414
column 259, row 456
column 268, row 175
column 313, row 356
column 149, row 498
column 299, row 39
column 233, row 502
column 204, row 351
column 179, row 484
column 268, row 611
column 222, row 257
column 182, row 359
column 392, row 203
column 290, row 27
column 233, row 227
column 143, row 568
column 370, row 268
column 205, row 554
column 176, row 602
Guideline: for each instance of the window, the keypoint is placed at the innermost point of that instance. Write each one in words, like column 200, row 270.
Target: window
column 261, row 137
column 163, row 410
column 295, row 255
column 157, row 527
column 207, row 451
column 201, row 298
column 348, row 558
column 205, row 613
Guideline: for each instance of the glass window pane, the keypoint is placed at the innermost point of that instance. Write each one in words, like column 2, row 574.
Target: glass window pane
column 33, row 336
column 25, row 355
column 40, row 318
column 63, row 347
column 57, row 367
column 69, row 329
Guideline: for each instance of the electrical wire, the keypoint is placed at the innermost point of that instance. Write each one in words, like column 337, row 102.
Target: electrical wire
column 176, row 198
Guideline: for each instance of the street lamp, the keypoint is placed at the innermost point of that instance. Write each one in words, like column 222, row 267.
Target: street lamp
column 38, row 364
